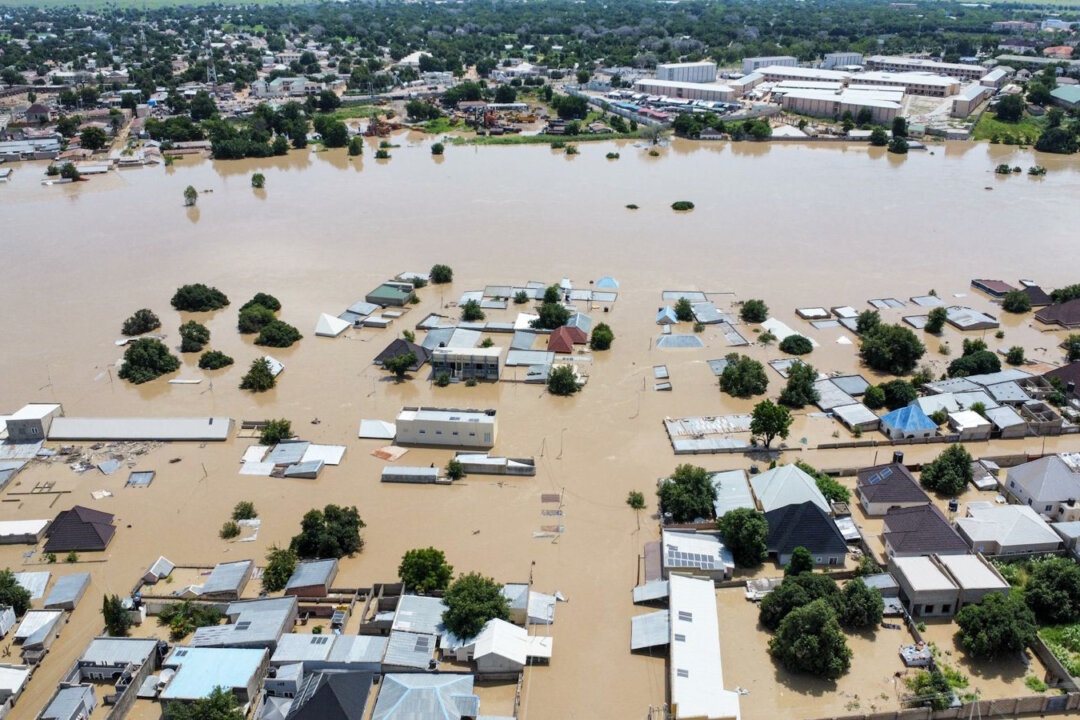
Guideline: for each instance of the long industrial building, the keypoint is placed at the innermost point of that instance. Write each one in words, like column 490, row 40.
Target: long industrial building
column 913, row 83
column 697, row 673
column 132, row 429
column 884, row 105
column 450, row 427
column 691, row 72
column 842, row 59
column 968, row 99
column 777, row 73
column 895, row 63
column 752, row 64
column 713, row 92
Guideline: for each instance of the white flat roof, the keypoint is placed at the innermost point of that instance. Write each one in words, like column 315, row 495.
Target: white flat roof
column 697, row 674
column 703, row 63
column 191, row 428
column 968, row 419
column 474, row 351
column 922, row 62
column 911, row 78
column 679, row 84
column 33, row 411
column 922, row 575
column 972, row 573
column 22, row 527
column 809, row 73
column 446, row 416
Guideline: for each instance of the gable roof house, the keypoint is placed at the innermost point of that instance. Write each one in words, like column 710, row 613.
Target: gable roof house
column 312, row 578
column 1067, row 314
column 1006, row 530
column 409, row 696
column 920, row 530
column 805, row 525
column 881, row 488
column 503, row 647
column 1049, row 486
column 332, row 696
column 80, row 529
column 401, row 346
column 786, row 485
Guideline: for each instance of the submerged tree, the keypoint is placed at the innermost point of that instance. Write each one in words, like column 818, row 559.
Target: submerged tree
column 191, row 196
column 471, row 601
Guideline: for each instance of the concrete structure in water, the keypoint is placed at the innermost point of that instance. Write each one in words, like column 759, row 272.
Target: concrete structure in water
column 467, row 363
column 31, row 422
column 446, row 427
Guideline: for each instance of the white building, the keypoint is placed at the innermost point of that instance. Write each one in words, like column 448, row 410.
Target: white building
column 746, row 83
column 696, row 554
column 913, row 83
column 31, row 422
column 691, row 72
column 970, row 425
column 895, row 63
column 503, row 647
column 1006, row 530
column 776, row 73
column 751, row 64
column 883, row 106
column 285, row 87
column 697, row 673
column 968, row 99
column 842, row 59
column 450, row 427
column 714, row 92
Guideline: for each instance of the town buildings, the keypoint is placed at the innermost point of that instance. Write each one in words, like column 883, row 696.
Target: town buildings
column 449, row 427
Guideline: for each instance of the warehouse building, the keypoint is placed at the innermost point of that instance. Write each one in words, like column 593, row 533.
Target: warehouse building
column 883, row 105
column 746, row 83
column 691, row 72
column 437, row 426
column 895, row 63
column 842, row 59
column 996, row 77
column 713, row 92
column 777, row 73
column 968, row 99
column 913, row 83
column 753, row 64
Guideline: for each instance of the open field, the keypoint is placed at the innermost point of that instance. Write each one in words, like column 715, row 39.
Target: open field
column 1028, row 127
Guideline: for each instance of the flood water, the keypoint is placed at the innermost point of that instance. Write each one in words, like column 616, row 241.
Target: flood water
column 796, row 225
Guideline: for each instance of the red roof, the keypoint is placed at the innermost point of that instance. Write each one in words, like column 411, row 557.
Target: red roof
column 577, row 335
column 561, row 341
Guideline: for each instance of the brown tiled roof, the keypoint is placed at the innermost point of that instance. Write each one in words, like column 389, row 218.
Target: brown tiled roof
column 889, row 483
column 921, row 530
column 80, row 528
column 1066, row 314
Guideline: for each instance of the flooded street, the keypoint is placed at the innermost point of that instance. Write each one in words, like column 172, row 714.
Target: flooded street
column 796, row 225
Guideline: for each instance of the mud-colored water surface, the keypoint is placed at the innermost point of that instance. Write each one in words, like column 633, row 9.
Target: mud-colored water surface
column 797, row 225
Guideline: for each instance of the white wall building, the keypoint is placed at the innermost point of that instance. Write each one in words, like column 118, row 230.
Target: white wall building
column 841, row 59
column 896, row 63
column 448, row 427
column 697, row 673
column 913, row 83
column 883, row 106
column 777, row 73
column 714, row 92
column 751, row 64
column 692, row 72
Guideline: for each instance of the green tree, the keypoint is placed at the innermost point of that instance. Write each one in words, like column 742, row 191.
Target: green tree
column 244, row 510
column 898, row 393
column 800, row 390
column 552, row 294
column 636, row 499
column 141, row 321
column 809, row 640
column 229, row 530
column 147, row 359
column 356, row 146
column 688, row 494
column 258, row 181
column 867, row 321
column 898, row 146
column 280, row 565
column 454, row 469
column 117, row 620
column 198, row 298
column 1053, row 591
column 827, row 485
column 1010, row 108
column 801, row 562
column 12, row 594
column 220, row 705
column 892, row 349
column 1057, row 140
column 202, row 106
column 743, row 376
column 441, row 274
column 471, row 312
column 425, row 570
column 275, row 431
column 400, row 364
column 551, row 315
column 278, row 334
column 505, row 94
column 796, row 345
column 1072, row 347
column 521, row 297
column 259, row 377
column 754, row 311
column 862, row 605
column 471, row 601
column 684, row 311
column 191, row 196
column 745, row 531
column 254, row 318
column 1015, row 356
column 935, row 321
column 976, row 363
column 949, row 473
column 1065, row 294
column 996, row 625
column 214, row 360
column 437, row 148
column 934, row 686
column 332, row 532
column 874, row 397
column 601, row 337
column 193, row 336
column 563, row 381
column 899, row 127
column 1016, row 301
column 794, row 592
column 878, row 137
column 328, row 101
column 183, row 618
column 769, row 421
column 93, row 138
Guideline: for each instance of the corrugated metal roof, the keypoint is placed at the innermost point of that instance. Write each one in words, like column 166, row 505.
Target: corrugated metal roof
column 650, row 630
column 228, row 577
column 409, row 649
column 313, row 572
column 193, row 428
column 68, row 590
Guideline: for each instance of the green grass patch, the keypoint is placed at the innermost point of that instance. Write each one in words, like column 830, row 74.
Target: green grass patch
column 440, row 126
column 1035, row 684
column 1064, row 642
column 540, row 139
column 1027, row 130
column 359, row 110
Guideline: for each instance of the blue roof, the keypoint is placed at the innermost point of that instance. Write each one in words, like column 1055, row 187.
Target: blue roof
column 667, row 315
column 909, row 418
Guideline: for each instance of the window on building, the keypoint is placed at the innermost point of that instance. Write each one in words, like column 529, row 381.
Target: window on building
column 946, row 608
column 928, row 609
column 682, row 673
column 686, row 616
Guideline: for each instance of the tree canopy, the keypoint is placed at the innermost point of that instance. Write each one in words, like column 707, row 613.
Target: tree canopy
column 743, row 376
column 214, row 360
column 688, row 494
column 891, row 349
column 425, row 570
column 769, row 421
column 562, row 381
column 332, row 532
column 809, row 640
column 141, row 321
column 278, row 334
column 949, row 473
column 799, row 390
column 1053, row 591
column 796, row 345
column 996, row 625
column 220, row 705
column 116, row 618
column 13, row 594
column 471, row 601
column 280, row 565
column 198, row 298
column 441, row 274
column 259, row 377
column 744, row 531
column 801, row 562
column 754, row 311
column 400, row 364
column 146, row 359
column 193, row 336
column 861, row 606
column 935, row 320
column 1016, row 301
column 601, row 337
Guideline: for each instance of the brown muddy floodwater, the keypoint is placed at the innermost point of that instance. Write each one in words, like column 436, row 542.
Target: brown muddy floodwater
column 797, row 225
